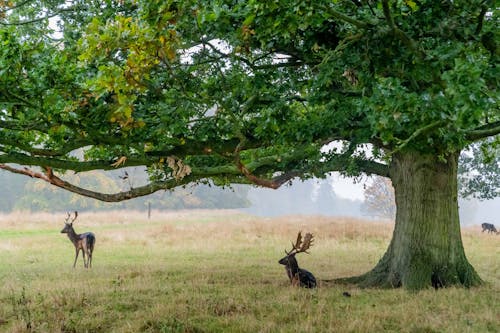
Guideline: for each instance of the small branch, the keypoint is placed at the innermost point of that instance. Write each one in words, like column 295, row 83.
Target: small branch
column 415, row 134
column 17, row 126
column 21, row 100
column 345, row 18
column 296, row 63
column 273, row 183
column 39, row 19
column 251, row 64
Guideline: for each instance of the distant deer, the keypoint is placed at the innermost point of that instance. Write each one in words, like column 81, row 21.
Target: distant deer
column 489, row 227
column 84, row 242
column 297, row 275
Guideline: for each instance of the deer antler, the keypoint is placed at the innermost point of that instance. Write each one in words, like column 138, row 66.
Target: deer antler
column 69, row 217
column 307, row 243
column 301, row 245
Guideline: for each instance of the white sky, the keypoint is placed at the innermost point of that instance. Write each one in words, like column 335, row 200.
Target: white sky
column 346, row 188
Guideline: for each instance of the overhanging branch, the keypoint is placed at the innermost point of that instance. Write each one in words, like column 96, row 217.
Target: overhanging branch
column 51, row 178
column 342, row 164
column 255, row 171
column 484, row 131
column 78, row 166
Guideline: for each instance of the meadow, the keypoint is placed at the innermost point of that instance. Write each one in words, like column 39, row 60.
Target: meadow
column 218, row 271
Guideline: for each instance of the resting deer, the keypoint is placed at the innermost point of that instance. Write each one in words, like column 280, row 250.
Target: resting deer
column 489, row 227
column 297, row 275
column 84, row 242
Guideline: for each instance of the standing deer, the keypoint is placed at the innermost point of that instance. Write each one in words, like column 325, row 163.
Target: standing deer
column 297, row 275
column 84, row 242
column 489, row 227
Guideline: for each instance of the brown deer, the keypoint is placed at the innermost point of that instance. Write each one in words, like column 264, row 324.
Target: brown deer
column 84, row 242
column 298, row 276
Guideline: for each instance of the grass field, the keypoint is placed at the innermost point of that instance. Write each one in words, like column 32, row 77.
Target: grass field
column 217, row 271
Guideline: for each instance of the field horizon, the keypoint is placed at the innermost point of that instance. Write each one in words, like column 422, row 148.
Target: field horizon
column 218, row 271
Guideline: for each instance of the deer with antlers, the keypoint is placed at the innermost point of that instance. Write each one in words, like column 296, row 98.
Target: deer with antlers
column 84, row 242
column 298, row 276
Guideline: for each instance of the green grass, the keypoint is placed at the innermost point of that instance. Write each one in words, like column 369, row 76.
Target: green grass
column 216, row 271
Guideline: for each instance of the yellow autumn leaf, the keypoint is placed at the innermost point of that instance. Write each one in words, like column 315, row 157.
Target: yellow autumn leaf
column 412, row 5
column 119, row 162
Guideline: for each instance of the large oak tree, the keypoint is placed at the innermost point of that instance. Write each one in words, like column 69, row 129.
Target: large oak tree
column 257, row 92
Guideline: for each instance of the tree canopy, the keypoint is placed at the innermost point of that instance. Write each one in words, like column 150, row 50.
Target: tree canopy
column 242, row 91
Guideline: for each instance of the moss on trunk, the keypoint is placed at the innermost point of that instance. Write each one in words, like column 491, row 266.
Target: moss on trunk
column 426, row 247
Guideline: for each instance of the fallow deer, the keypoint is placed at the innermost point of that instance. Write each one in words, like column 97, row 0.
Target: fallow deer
column 84, row 242
column 489, row 227
column 298, row 276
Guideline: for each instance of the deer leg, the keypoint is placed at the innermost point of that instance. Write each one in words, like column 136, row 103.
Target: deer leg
column 76, row 257
column 83, row 253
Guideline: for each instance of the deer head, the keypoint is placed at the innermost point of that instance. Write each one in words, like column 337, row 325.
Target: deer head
column 68, row 223
column 300, row 245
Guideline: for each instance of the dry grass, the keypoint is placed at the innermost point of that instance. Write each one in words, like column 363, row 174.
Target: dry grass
column 213, row 271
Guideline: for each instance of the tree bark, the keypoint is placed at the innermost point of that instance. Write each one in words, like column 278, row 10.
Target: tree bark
column 426, row 247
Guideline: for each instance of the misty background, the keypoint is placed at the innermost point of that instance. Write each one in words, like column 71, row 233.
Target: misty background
column 332, row 196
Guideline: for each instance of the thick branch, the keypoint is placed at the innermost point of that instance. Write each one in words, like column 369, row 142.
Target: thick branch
column 365, row 166
column 45, row 157
column 388, row 15
column 480, row 19
column 346, row 162
column 78, row 166
column 51, row 178
column 398, row 32
column 484, row 131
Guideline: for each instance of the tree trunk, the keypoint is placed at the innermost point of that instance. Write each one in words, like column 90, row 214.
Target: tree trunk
column 426, row 247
